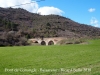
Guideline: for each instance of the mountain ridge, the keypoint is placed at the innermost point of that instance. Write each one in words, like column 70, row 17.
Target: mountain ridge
column 21, row 24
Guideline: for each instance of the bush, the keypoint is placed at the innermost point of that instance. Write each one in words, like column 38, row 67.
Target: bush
column 71, row 41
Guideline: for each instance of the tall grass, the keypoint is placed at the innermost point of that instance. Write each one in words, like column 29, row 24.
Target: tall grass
column 51, row 60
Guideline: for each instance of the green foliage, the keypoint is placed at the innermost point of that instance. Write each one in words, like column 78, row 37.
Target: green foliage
column 8, row 25
column 51, row 57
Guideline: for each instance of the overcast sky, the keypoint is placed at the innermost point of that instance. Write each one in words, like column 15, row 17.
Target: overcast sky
column 82, row 11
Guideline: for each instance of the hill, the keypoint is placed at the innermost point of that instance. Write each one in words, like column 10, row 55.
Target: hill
column 18, row 25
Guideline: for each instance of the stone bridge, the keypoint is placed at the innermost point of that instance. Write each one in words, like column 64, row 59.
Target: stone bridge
column 47, row 41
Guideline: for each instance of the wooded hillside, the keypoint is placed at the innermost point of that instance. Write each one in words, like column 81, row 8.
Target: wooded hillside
column 18, row 25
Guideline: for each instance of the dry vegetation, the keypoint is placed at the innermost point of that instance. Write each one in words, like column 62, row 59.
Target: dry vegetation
column 18, row 25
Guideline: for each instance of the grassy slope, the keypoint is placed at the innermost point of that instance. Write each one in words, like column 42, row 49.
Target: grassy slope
column 51, row 57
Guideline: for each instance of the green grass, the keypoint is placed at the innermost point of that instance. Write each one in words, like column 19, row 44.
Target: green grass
column 51, row 57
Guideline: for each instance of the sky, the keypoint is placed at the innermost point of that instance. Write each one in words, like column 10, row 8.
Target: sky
column 81, row 11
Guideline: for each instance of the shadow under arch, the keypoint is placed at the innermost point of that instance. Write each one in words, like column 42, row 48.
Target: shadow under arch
column 43, row 43
column 36, row 42
column 50, row 43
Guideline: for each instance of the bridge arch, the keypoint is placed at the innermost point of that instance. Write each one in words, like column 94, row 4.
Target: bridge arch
column 43, row 43
column 50, row 42
column 36, row 42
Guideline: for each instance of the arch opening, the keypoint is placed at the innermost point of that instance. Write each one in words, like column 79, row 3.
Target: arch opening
column 50, row 43
column 43, row 43
column 36, row 42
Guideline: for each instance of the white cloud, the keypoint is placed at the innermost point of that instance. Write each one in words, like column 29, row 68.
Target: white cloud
column 94, row 22
column 91, row 9
column 33, row 7
column 47, row 10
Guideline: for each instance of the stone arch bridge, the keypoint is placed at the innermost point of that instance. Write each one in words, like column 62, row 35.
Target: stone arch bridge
column 47, row 41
